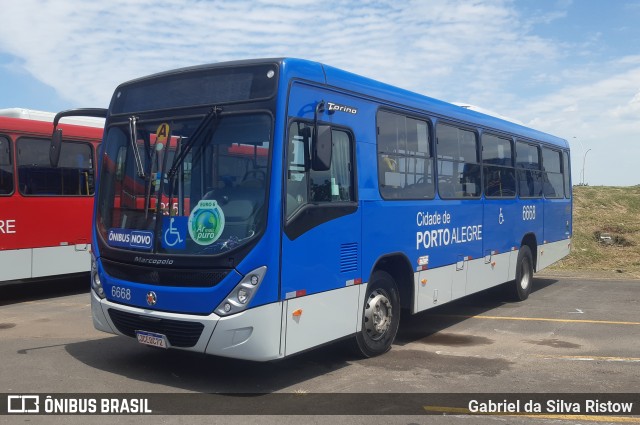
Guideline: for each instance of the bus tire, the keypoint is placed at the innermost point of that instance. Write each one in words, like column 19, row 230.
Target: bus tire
column 380, row 316
column 521, row 287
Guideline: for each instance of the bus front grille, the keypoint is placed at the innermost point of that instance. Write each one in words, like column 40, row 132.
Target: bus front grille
column 164, row 276
column 179, row 333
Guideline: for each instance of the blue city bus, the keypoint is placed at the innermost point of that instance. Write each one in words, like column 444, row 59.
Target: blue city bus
column 257, row 209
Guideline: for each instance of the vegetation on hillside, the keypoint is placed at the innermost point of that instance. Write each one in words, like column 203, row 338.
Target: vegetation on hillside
column 606, row 230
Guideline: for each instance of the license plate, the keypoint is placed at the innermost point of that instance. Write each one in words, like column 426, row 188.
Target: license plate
column 152, row 339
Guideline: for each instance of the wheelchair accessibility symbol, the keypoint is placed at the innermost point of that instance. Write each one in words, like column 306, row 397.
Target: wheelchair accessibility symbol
column 174, row 231
column 500, row 217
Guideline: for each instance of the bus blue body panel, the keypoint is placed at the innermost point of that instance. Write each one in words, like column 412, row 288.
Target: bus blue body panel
column 313, row 262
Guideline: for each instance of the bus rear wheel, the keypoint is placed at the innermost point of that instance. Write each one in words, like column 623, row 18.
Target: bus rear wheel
column 521, row 287
column 380, row 316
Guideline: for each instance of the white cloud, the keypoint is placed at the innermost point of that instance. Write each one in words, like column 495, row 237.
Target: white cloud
column 84, row 49
column 485, row 53
column 602, row 116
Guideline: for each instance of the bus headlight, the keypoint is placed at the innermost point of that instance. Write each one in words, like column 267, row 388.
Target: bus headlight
column 243, row 293
column 96, row 284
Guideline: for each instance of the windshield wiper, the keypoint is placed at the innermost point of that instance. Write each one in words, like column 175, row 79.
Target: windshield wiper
column 133, row 132
column 179, row 158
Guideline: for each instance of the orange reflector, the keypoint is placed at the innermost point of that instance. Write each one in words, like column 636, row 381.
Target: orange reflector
column 493, row 264
column 423, row 281
column 297, row 313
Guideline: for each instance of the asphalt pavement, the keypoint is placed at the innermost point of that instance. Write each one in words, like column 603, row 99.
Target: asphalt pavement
column 573, row 335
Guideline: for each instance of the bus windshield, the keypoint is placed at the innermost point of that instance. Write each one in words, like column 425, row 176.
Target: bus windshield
column 215, row 201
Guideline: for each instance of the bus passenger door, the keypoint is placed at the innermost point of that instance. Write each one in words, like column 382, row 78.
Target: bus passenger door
column 320, row 266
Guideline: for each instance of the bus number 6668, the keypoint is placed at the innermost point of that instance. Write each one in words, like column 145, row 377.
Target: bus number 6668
column 529, row 212
column 122, row 293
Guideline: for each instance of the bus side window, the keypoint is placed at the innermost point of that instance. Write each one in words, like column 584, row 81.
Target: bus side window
column 308, row 186
column 566, row 172
column 458, row 165
column 335, row 184
column 405, row 162
column 72, row 177
column 530, row 180
column 553, row 180
column 76, row 162
column 499, row 172
column 6, row 167
column 297, row 160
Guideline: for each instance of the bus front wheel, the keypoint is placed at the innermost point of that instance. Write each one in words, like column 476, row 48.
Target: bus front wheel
column 380, row 316
column 521, row 287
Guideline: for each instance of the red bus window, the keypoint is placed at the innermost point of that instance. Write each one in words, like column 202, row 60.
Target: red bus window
column 73, row 176
column 6, row 167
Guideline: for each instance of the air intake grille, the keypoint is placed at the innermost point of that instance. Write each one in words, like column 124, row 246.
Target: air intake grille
column 178, row 332
column 348, row 257
column 163, row 276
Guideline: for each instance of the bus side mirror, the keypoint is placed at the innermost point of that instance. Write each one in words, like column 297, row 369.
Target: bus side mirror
column 54, row 148
column 321, row 144
column 321, row 148
column 56, row 136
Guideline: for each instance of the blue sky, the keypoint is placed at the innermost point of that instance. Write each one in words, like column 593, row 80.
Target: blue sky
column 570, row 68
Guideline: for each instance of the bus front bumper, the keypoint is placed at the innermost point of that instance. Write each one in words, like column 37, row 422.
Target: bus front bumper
column 254, row 334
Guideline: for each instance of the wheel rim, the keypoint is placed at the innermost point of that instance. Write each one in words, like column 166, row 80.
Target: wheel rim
column 377, row 315
column 525, row 275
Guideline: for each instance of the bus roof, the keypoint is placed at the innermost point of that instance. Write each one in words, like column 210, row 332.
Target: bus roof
column 23, row 126
column 410, row 100
column 383, row 93
column 487, row 112
column 32, row 114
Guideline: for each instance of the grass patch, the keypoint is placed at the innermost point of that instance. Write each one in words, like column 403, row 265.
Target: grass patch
column 606, row 230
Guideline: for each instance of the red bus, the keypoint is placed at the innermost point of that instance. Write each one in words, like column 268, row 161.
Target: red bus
column 45, row 212
column 130, row 192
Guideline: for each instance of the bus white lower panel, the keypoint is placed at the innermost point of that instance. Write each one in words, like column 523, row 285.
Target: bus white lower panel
column 488, row 272
column 43, row 262
column 57, row 260
column 100, row 321
column 320, row 318
column 105, row 305
column 438, row 286
column 15, row 264
column 434, row 286
column 552, row 252
column 252, row 335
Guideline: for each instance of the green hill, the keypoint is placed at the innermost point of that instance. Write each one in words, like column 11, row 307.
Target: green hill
column 606, row 231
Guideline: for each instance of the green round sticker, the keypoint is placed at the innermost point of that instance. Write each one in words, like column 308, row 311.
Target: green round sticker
column 206, row 222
